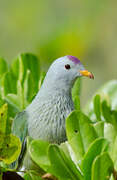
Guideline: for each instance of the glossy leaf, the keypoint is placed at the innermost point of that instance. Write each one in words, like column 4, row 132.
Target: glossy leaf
column 13, row 109
column 110, row 134
column 76, row 88
column 29, row 88
column 106, row 111
column 41, row 79
column 99, row 127
column 3, row 70
column 77, row 103
column 114, row 153
column 96, row 148
column 20, row 84
column 109, row 115
column 64, row 147
column 32, row 175
column 24, row 62
column 102, row 167
column 8, row 84
column 13, row 100
column 76, row 93
column 38, row 152
column 10, row 145
column 10, row 148
column 3, row 119
column 20, row 95
column 3, row 66
column 62, row 166
column 80, row 133
column 110, row 88
column 107, row 92
column 97, row 107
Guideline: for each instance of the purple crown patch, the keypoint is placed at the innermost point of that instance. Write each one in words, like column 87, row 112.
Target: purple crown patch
column 74, row 59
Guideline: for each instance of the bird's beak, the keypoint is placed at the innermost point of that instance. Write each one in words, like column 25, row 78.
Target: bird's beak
column 87, row 74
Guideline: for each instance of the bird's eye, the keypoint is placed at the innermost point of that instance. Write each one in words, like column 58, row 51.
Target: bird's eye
column 67, row 66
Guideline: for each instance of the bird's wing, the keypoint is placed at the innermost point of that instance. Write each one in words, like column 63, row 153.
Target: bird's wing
column 20, row 129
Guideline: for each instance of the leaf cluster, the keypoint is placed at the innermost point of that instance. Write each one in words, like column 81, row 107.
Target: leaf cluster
column 20, row 82
column 91, row 150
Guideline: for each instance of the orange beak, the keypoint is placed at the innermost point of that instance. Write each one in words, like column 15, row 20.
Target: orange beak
column 87, row 74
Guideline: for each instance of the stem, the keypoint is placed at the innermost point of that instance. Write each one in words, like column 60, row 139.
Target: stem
column 115, row 174
column 0, row 176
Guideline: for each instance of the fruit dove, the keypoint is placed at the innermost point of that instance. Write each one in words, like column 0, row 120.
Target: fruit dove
column 45, row 117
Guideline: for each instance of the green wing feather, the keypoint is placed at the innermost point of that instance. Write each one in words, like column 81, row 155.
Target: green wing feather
column 20, row 129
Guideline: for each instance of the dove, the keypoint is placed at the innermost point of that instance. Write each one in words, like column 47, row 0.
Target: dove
column 45, row 117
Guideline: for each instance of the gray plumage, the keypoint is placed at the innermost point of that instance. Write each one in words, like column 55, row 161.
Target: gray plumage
column 45, row 117
column 49, row 116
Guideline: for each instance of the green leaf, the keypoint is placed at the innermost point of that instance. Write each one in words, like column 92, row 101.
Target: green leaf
column 24, row 62
column 2, row 102
column 13, row 104
column 77, row 103
column 13, row 100
column 80, row 133
column 97, row 107
column 32, row 175
column 20, row 95
column 41, row 79
column 96, row 148
column 27, row 176
column 102, row 167
column 110, row 89
column 38, row 152
column 109, row 115
column 76, row 88
column 10, row 145
column 3, row 67
column 8, row 84
column 10, row 148
column 76, row 93
column 29, row 88
column 64, row 147
column 62, row 166
column 3, row 70
column 110, row 134
column 114, row 153
column 3, row 119
column 107, row 92
column 3, row 167
column 22, row 81
column 19, row 85
column 99, row 127
column 106, row 111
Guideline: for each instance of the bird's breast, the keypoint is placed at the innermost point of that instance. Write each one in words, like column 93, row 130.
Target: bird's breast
column 46, row 119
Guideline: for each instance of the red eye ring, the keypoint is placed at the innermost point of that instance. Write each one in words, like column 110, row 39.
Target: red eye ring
column 67, row 66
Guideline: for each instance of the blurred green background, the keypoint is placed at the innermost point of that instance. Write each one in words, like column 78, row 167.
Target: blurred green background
column 53, row 28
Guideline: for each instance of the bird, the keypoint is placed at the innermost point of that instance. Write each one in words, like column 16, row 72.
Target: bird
column 45, row 117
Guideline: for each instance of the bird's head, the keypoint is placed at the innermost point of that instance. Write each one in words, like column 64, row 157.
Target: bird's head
column 64, row 71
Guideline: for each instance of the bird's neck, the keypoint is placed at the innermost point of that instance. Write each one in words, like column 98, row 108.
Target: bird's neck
column 62, row 87
column 54, row 93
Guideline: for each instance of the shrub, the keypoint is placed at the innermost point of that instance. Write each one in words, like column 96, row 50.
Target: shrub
column 91, row 150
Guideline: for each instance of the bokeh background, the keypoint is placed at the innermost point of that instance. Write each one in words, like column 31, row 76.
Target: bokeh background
column 53, row 28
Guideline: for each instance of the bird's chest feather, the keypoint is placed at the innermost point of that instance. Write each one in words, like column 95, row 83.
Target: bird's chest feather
column 47, row 119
